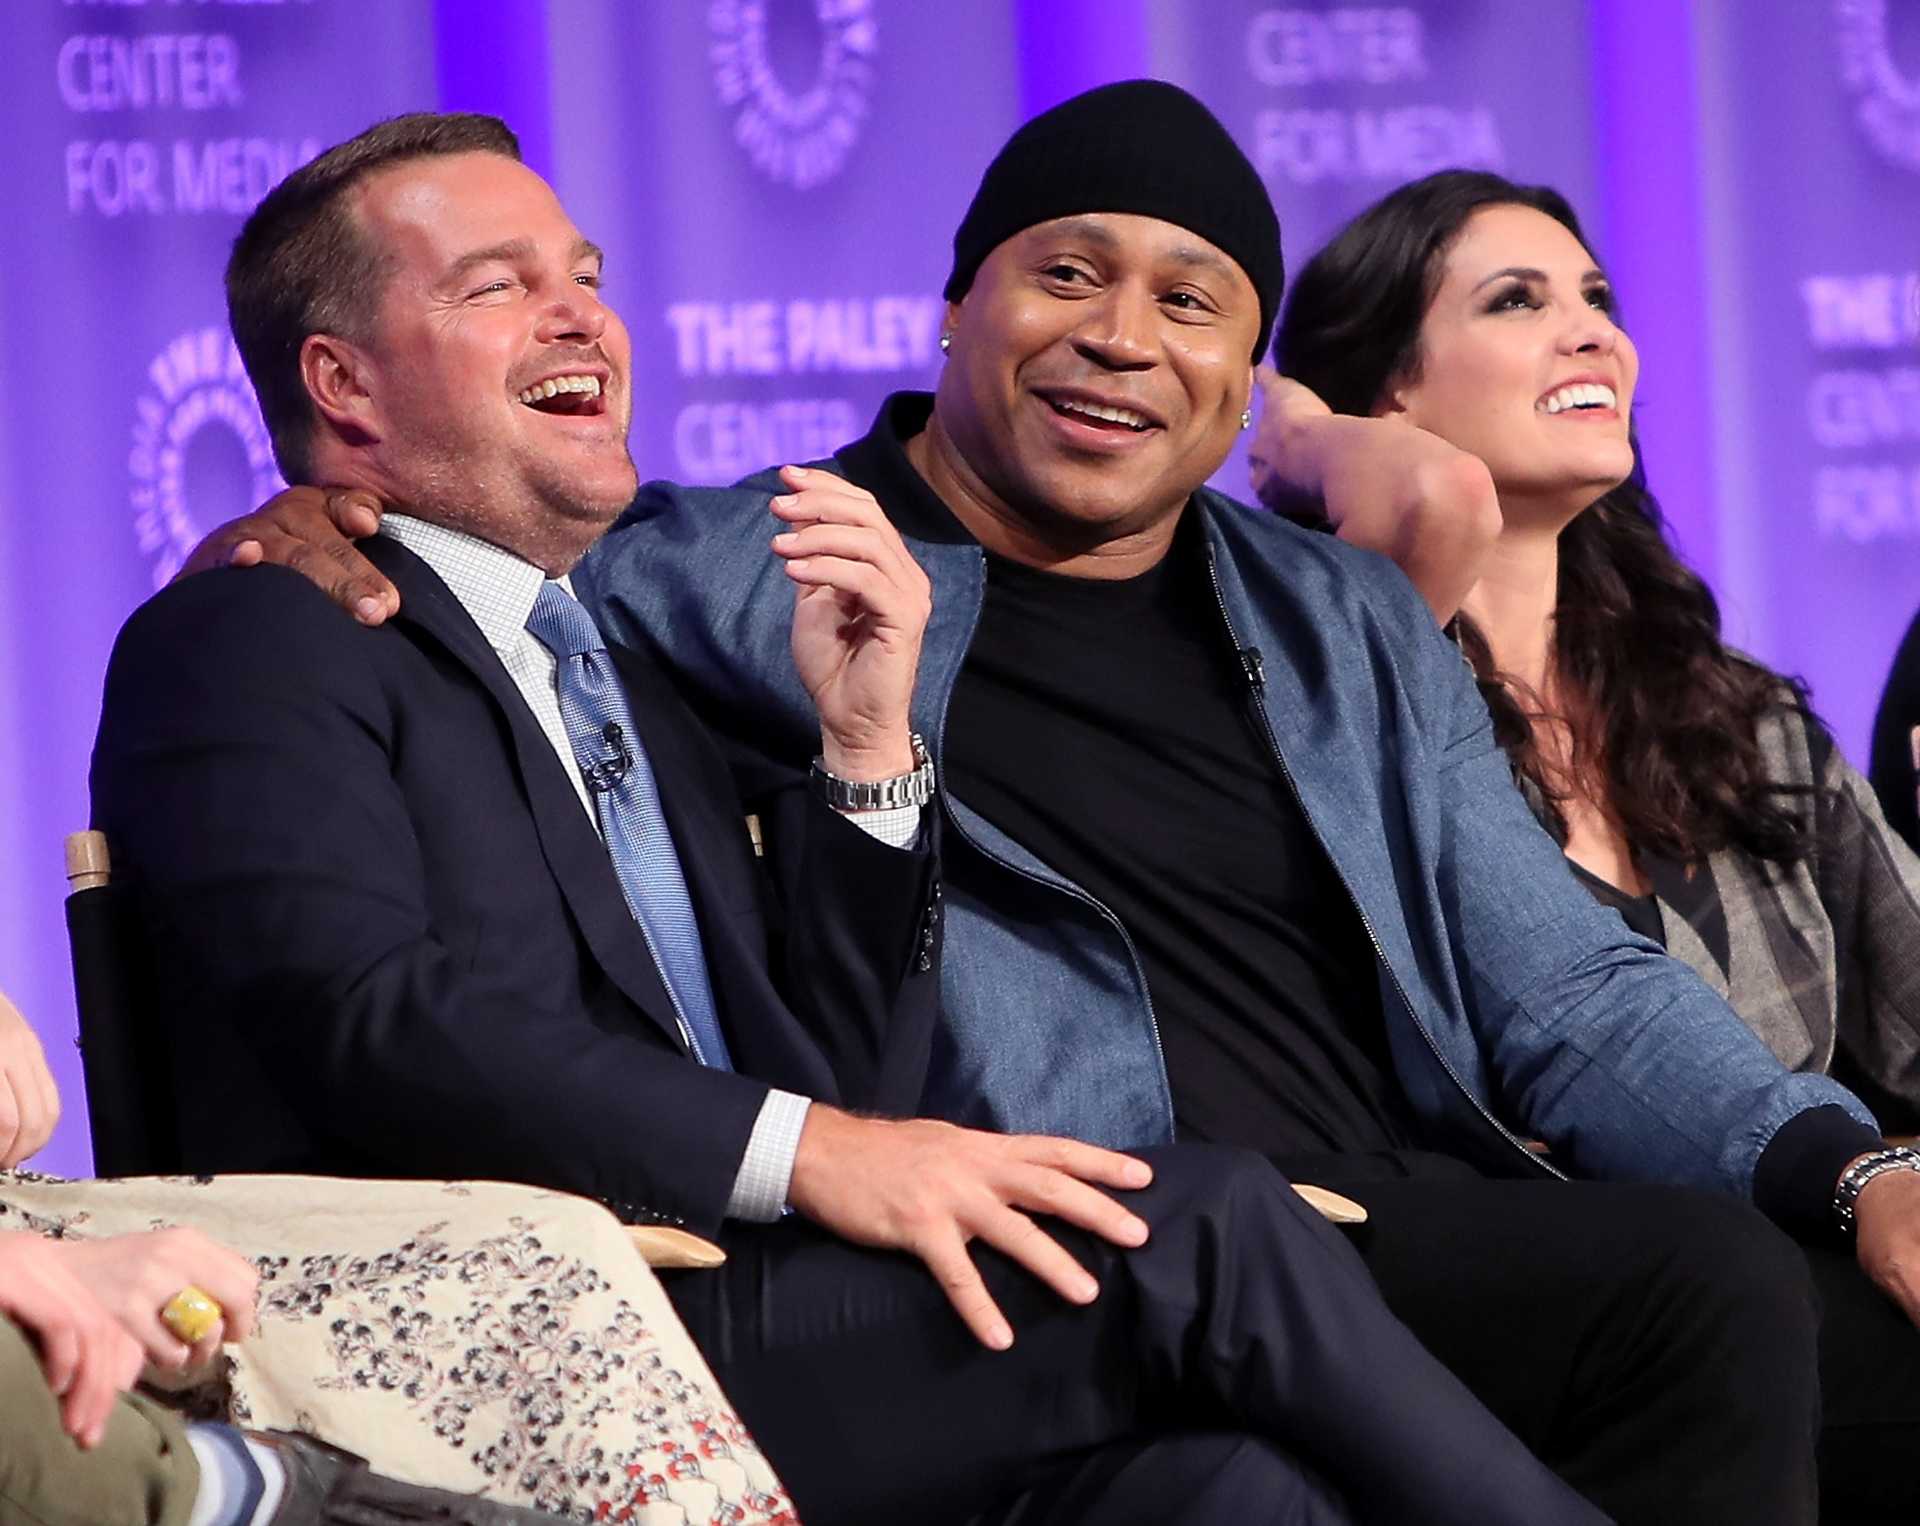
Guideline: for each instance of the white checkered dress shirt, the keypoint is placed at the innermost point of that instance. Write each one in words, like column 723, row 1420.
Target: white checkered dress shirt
column 497, row 588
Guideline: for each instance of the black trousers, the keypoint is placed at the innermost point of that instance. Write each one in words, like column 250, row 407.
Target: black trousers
column 1245, row 1351
column 1448, row 1247
column 1655, row 1345
column 1870, row 1387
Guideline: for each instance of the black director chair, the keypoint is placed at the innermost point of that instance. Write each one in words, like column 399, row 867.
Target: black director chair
column 130, row 1099
column 123, row 1047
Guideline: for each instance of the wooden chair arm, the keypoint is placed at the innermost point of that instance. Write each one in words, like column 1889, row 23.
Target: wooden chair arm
column 88, row 866
column 1331, row 1206
column 664, row 1248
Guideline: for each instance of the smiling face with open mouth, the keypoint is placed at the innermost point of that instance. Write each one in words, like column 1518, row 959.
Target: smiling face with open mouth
column 1521, row 363
column 497, row 379
column 1099, row 366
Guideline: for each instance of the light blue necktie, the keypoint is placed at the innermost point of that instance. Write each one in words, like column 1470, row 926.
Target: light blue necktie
column 611, row 759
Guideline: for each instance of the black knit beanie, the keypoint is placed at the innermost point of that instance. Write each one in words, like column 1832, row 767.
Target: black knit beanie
column 1141, row 146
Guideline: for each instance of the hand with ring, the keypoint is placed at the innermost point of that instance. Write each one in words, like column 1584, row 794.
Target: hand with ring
column 192, row 1314
column 95, row 1310
column 173, row 1290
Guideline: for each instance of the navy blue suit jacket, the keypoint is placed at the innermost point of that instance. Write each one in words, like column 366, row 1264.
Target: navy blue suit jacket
column 389, row 941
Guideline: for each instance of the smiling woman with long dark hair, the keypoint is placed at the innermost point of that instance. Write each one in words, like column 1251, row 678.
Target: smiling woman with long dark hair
column 1689, row 786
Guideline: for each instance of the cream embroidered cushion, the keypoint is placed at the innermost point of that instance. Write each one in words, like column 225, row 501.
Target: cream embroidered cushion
column 472, row 1335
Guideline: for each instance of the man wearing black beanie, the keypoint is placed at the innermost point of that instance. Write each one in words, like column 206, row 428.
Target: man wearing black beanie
column 1140, row 147
column 1232, row 851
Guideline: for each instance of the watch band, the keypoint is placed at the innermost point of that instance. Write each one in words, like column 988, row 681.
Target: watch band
column 914, row 789
column 1864, row 1170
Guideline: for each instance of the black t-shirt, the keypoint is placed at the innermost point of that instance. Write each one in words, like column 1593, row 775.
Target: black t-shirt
column 1689, row 891
column 1330, row 1025
column 1108, row 727
column 1640, row 912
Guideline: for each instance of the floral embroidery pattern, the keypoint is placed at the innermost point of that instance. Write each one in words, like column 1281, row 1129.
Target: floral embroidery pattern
column 484, row 1344
column 473, row 1335
column 54, row 1226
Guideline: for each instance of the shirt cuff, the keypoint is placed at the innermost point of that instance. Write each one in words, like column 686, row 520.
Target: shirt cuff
column 1794, row 1180
column 760, row 1188
column 897, row 827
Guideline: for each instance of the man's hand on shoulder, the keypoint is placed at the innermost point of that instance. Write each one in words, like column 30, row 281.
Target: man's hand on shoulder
column 928, row 1188
column 861, row 604
column 1887, row 1236
column 1284, row 473
column 1385, row 485
column 310, row 530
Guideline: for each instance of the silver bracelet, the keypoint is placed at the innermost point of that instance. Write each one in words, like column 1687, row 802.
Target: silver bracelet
column 1864, row 1170
column 914, row 789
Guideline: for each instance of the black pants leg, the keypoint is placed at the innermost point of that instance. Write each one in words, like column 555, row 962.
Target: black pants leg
column 1655, row 1345
column 1201, row 1479
column 1244, row 1313
column 1870, row 1380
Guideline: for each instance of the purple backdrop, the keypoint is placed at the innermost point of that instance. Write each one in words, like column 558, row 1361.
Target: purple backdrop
column 137, row 137
column 1337, row 105
column 776, row 182
column 771, row 182
column 1811, row 200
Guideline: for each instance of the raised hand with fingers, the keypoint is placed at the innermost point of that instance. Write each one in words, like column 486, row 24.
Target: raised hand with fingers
column 29, row 1100
column 860, row 609
column 929, row 1188
column 310, row 530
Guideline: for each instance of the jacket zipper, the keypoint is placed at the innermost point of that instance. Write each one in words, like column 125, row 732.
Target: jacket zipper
column 1068, row 888
column 1253, row 670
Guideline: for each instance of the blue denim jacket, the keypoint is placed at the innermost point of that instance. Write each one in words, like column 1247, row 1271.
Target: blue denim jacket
column 1516, row 1007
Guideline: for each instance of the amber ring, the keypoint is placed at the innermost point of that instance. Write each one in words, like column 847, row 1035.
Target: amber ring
column 191, row 1314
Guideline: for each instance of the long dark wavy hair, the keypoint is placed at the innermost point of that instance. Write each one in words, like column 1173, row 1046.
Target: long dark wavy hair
column 1666, row 714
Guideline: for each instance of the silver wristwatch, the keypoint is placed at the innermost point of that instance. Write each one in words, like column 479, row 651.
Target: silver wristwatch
column 1864, row 1170
column 914, row 789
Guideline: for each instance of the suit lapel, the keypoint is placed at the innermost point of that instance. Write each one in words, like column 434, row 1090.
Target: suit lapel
column 574, row 852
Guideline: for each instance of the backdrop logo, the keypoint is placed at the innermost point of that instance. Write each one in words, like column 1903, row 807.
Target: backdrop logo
column 796, row 74
column 201, row 454
column 1889, row 105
